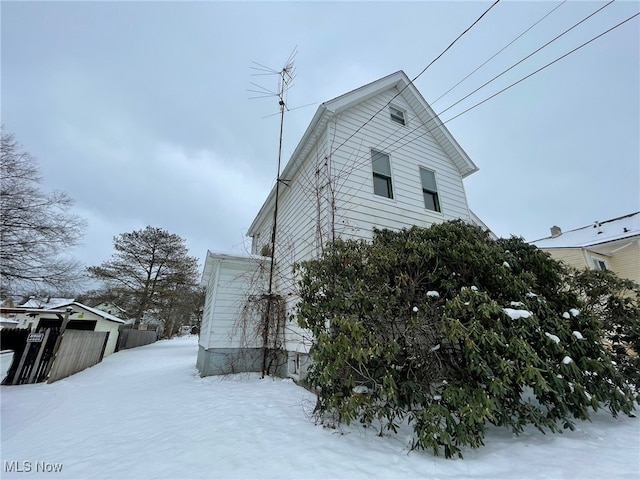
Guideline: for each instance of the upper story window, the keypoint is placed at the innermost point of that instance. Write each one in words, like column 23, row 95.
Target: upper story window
column 381, row 174
column 429, row 190
column 599, row 264
column 397, row 115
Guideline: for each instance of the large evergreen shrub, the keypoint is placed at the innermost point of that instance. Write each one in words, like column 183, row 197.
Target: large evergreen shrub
column 452, row 331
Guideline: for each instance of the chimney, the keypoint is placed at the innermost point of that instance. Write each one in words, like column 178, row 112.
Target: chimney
column 556, row 231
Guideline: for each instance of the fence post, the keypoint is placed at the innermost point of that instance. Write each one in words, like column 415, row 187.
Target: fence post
column 18, row 372
column 56, row 347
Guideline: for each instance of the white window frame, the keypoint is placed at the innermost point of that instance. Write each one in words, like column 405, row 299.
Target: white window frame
column 396, row 118
column 382, row 175
column 598, row 263
column 435, row 192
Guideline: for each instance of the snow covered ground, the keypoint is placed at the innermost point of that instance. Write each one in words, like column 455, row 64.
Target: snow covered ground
column 146, row 414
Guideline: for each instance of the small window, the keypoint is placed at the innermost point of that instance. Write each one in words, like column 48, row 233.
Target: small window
column 599, row 264
column 381, row 174
column 397, row 115
column 429, row 190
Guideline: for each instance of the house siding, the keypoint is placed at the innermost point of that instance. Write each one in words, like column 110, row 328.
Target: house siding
column 358, row 208
column 228, row 342
column 626, row 262
column 573, row 257
column 227, row 294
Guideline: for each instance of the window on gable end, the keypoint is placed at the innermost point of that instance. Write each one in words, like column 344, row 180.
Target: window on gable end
column 599, row 264
column 381, row 174
column 397, row 115
column 429, row 190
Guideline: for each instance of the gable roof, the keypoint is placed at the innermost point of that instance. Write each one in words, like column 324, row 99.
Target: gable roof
column 597, row 233
column 327, row 110
column 95, row 311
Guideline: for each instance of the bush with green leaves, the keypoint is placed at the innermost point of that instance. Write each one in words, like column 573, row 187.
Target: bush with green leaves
column 616, row 302
column 451, row 331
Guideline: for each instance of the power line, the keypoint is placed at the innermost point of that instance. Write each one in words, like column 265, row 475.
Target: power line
column 545, row 66
column 528, row 56
column 417, row 76
column 499, row 75
column 429, row 130
column 500, row 51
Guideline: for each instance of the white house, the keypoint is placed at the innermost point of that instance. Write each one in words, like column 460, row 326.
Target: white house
column 377, row 156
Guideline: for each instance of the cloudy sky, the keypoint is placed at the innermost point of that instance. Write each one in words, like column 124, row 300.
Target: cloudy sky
column 141, row 110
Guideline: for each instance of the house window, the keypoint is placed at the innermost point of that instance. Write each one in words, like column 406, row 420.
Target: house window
column 381, row 174
column 599, row 264
column 397, row 115
column 429, row 190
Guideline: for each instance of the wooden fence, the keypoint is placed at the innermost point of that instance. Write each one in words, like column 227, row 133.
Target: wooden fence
column 79, row 349
column 130, row 338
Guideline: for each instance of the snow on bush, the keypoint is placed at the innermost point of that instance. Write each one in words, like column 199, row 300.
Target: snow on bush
column 517, row 314
column 553, row 338
column 486, row 355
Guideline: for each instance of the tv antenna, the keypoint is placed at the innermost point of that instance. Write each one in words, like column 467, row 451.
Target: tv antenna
column 286, row 77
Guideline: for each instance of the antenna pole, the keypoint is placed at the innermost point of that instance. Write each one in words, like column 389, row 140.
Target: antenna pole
column 285, row 78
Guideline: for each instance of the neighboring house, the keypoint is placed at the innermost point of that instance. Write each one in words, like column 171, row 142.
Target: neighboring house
column 609, row 245
column 112, row 309
column 82, row 317
column 376, row 157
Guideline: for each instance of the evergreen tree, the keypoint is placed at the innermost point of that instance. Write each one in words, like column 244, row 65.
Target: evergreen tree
column 150, row 270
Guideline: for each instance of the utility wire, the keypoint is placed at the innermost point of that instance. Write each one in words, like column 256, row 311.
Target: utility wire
column 528, row 56
column 436, row 118
column 500, row 51
column 542, row 68
column 417, row 76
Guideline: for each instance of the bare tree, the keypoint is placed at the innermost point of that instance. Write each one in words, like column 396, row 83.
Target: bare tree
column 149, row 268
column 36, row 227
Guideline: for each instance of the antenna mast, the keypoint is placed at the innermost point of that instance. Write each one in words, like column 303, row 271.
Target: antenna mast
column 285, row 82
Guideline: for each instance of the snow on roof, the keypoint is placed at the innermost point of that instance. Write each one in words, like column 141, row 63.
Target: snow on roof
column 597, row 233
column 100, row 313
column 59, row 303
column 50, row 303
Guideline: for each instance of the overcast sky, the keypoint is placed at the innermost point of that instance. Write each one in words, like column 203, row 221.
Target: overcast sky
column 141, row 111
